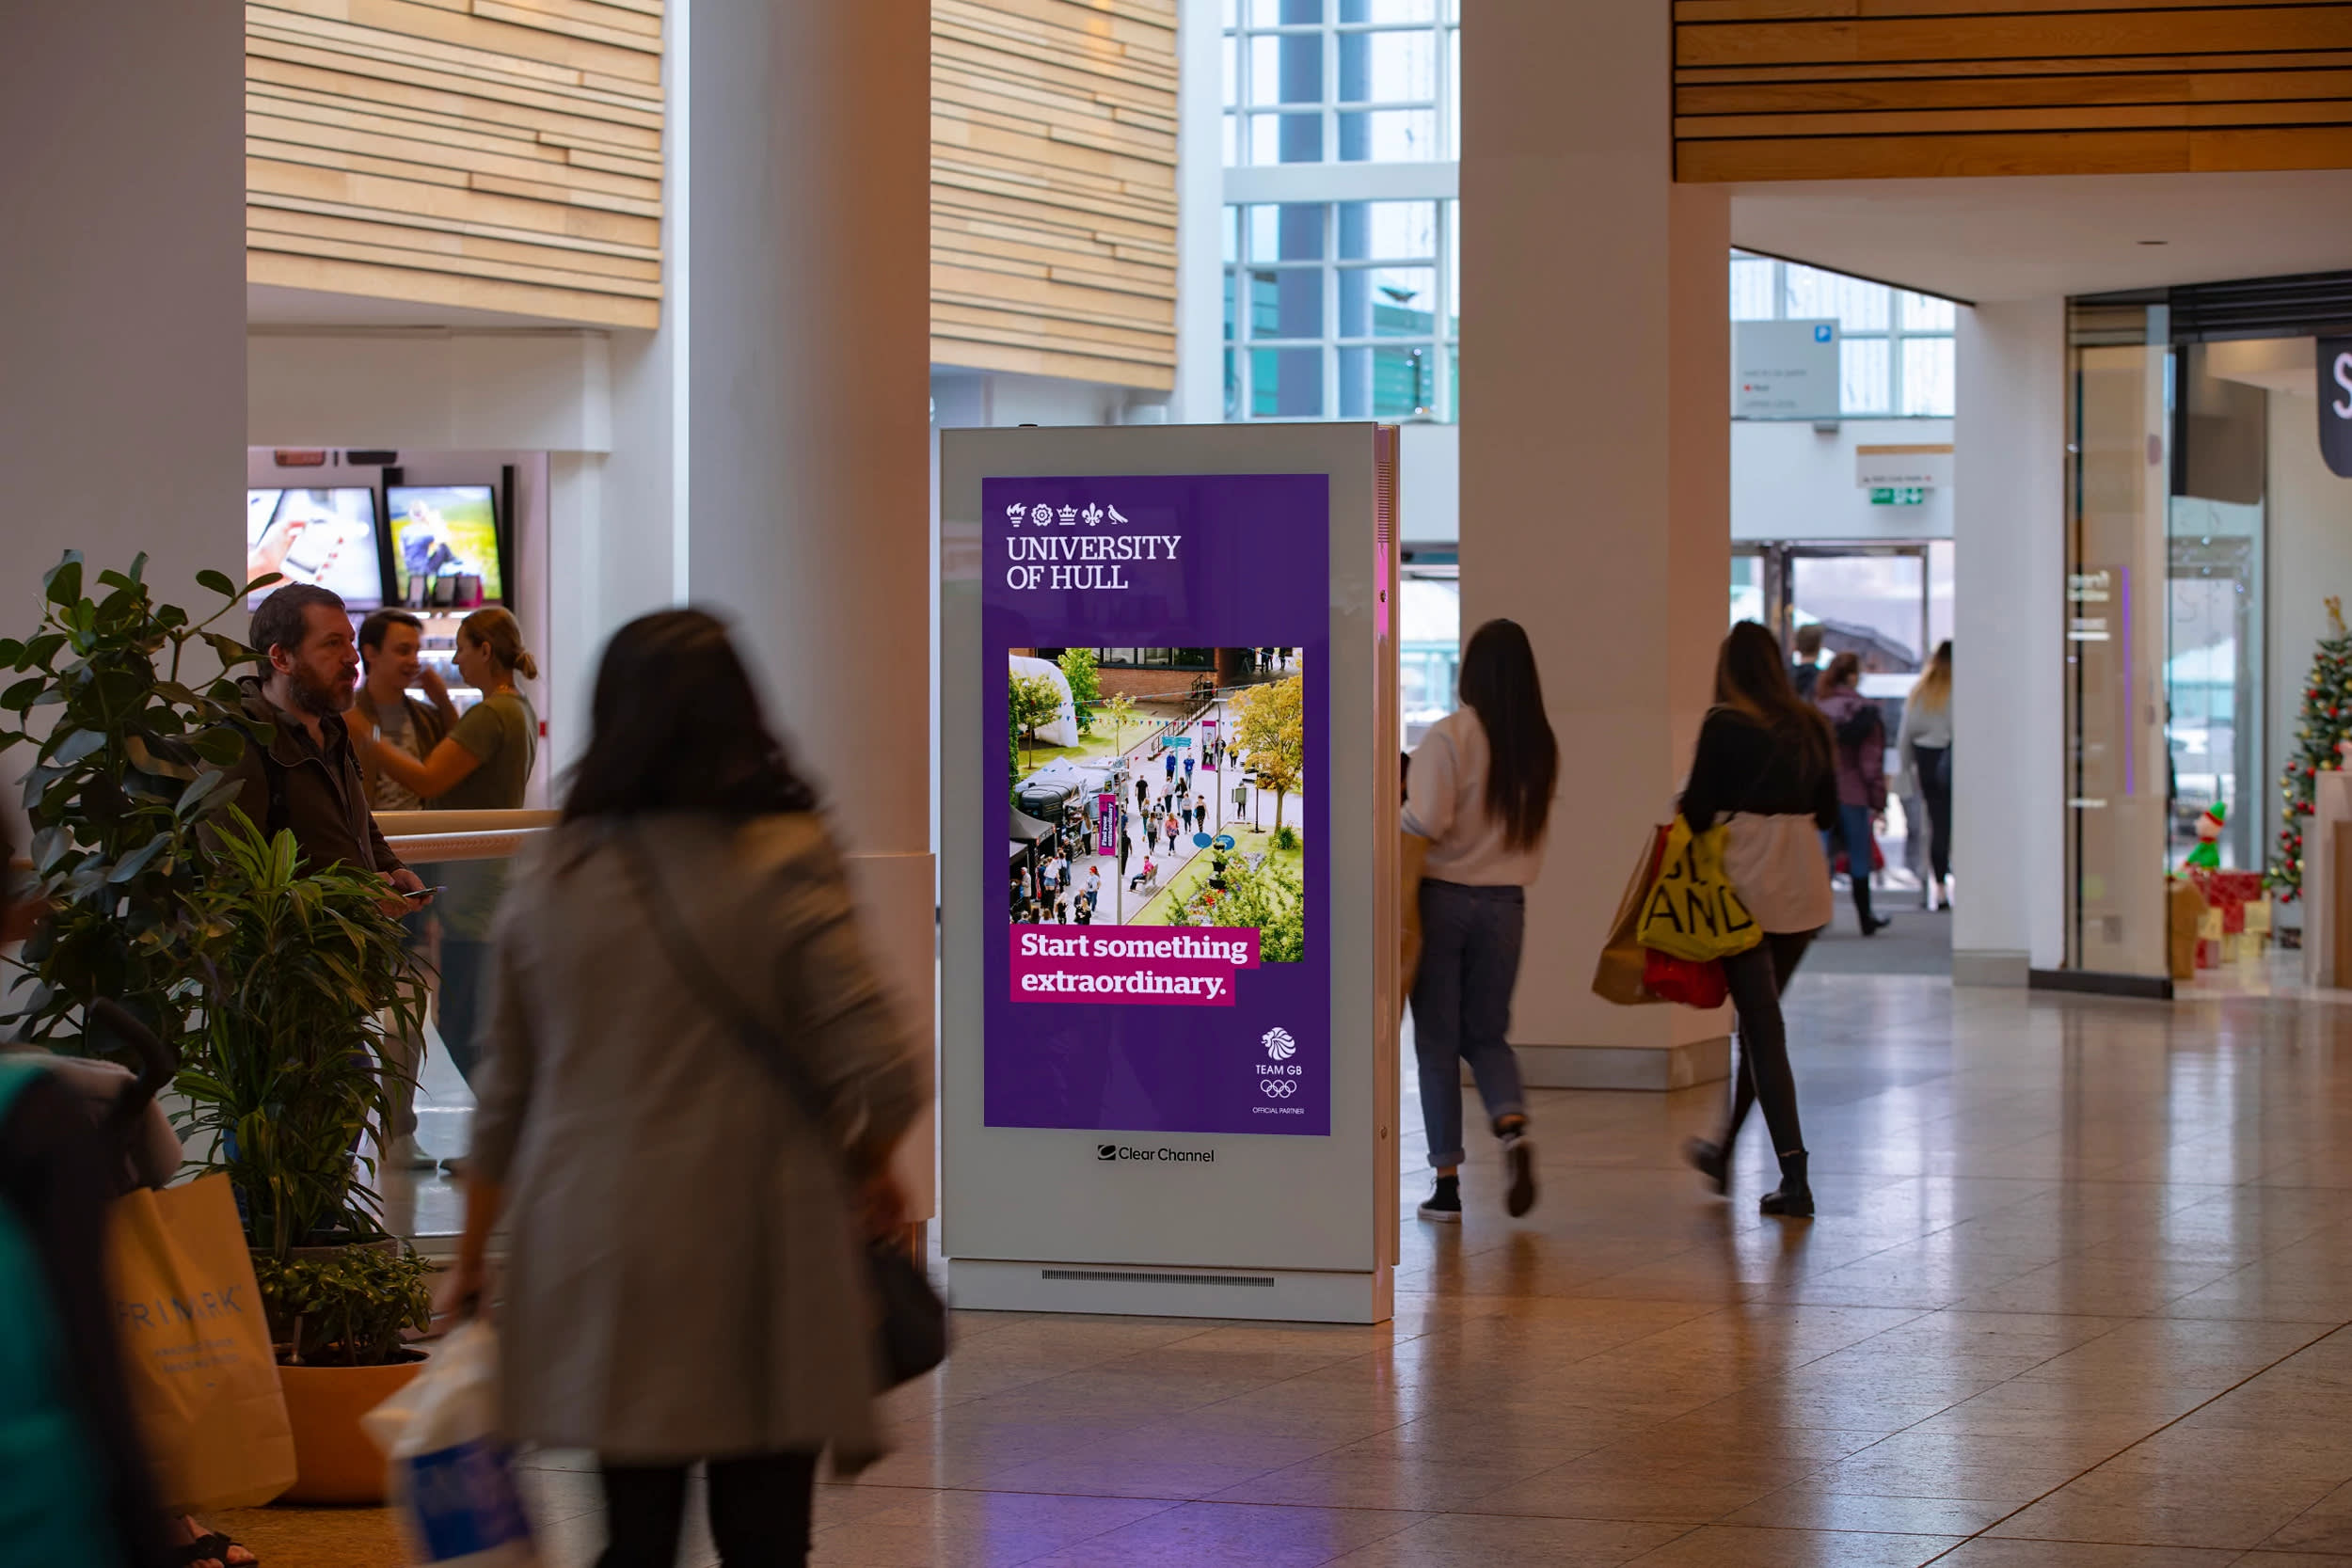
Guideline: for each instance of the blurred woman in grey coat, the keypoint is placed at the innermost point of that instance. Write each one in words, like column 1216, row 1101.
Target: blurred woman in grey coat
column 685, row 1280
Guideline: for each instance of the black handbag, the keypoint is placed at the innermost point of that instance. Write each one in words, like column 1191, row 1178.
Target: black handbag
column 910, row 1336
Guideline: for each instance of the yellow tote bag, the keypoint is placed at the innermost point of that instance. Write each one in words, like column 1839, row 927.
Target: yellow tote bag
column 1692, row 911
column 195, row 1348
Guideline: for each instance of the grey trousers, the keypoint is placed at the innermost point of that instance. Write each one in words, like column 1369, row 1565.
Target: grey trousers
column 1470, row 961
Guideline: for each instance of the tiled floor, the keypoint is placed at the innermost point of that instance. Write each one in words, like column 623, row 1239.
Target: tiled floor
column 2077, row 1297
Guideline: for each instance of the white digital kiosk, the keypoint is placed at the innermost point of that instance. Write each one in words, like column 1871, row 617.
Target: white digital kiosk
column 1168, row 1007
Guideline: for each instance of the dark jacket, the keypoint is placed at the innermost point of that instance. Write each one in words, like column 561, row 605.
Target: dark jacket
column 321, row 794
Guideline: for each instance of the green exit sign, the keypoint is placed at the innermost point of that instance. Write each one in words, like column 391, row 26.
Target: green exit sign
column 1898, row 495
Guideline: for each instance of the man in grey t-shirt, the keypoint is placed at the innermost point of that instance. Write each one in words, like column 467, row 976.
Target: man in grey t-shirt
column 391, row 645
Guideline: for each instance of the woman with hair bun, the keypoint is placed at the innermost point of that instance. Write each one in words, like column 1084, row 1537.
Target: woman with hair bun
column 484, row 764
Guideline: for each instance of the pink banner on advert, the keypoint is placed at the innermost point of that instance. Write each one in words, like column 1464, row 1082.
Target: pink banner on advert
column 1136, row 967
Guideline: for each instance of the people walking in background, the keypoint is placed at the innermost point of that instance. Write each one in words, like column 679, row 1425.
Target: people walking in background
column 484, row 764
column 1766, row 764
column 1807, row 670
column 617, row 1095
column 1861, row 737
column 1480, row 790
column 1923, row 755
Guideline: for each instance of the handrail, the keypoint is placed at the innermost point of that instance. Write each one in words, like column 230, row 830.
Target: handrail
column 426, row 837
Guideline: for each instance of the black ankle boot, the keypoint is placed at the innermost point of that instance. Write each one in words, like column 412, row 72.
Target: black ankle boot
column 1794, row 1200
column 1872, row 925
column 1711, row 1159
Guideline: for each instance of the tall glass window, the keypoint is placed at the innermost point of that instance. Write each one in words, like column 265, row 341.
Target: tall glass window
column 1894, row 346
column 1342, row 309
column 1341, row 80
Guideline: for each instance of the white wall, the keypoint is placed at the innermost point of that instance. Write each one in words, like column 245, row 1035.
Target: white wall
column 122, row 320
column 2309, row 559
column 1429, row 484
column 1789, row 481
column 996, row 399
column 2008, row 574
column 526, row 390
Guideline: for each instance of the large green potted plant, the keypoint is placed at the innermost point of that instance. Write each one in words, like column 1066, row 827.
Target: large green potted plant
column 129, row 752
column 277, row 983
column 306, row 978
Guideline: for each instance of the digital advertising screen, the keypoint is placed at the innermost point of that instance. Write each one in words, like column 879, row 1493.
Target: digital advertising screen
column 1155, row 691
column 446, row 534
column 325, row 537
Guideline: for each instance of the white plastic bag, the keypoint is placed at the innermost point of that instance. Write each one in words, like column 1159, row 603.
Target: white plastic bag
column 452, row 1479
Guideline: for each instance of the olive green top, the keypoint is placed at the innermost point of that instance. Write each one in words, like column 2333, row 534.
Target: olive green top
column 502, row 734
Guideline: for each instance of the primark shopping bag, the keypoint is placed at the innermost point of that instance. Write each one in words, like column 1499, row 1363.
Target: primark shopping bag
column 195, row 1348
column 1692, row 910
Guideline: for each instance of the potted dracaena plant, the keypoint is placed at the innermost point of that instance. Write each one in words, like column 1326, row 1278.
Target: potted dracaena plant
column 275, row 982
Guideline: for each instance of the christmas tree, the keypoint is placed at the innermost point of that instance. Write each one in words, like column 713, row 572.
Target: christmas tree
column 2327, row 722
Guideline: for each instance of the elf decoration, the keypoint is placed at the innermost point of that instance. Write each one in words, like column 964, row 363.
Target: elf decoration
column 2207, row 855
column 2325, row 722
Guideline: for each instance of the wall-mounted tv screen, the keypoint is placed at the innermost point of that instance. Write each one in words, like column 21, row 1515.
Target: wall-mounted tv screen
column 326, row 537
column 445, row 545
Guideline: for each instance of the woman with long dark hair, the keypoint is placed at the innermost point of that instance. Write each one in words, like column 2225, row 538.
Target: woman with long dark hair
column 684, row 1281
column 1767, row 764
column 1479, row 789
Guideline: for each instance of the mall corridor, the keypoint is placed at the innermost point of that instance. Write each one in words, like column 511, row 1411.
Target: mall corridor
column 2076, row 1297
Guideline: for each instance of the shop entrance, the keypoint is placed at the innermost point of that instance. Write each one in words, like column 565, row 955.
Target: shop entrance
column 1889, row 604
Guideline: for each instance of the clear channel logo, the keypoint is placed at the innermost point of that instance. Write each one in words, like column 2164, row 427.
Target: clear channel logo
column 1119, row 1153
column 1278, row 1044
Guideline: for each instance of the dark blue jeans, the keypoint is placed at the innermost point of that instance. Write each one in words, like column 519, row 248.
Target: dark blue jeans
column 1470, row 961
column 463, row 967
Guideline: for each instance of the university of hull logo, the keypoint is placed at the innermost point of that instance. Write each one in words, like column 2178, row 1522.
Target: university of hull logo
column 1278, row 1044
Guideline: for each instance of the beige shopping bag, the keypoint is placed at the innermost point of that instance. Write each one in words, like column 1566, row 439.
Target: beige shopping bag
column 1618, row 975
column 1416, row 850
column 195, row 1348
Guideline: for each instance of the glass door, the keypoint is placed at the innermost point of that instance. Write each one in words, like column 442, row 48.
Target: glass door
column 2120, row 768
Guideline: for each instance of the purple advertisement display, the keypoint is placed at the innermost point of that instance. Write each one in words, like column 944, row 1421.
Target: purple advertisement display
column 1164, row 641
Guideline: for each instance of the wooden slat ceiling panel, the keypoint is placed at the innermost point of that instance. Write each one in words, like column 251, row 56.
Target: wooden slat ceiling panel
column 493, row 155
column 506, row 155
column 1054, row 188
column 1829, row 89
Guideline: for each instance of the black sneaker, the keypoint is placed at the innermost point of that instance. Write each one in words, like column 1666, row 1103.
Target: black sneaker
column 1519, row 1170
column 1444, row 1206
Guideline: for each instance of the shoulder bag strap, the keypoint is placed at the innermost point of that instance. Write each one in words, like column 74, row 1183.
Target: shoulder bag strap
column 765, row 1045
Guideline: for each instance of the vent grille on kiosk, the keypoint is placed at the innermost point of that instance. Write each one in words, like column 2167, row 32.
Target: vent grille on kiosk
column 1383, row 454
column 1115, row 1277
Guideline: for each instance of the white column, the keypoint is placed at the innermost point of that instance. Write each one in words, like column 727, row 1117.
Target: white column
column 2009, row 717
column 1595, row 463
column 804, row 375
column 123, row 318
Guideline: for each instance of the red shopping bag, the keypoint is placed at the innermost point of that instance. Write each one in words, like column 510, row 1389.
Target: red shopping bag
column 1690, row 983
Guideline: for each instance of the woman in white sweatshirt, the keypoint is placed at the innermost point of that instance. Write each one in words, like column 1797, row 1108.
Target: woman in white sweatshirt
column 1479, row 789
column 1923, row 751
